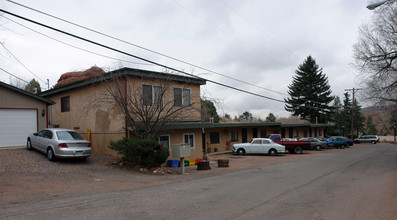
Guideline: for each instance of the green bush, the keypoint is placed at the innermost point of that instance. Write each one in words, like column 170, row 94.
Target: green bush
column 141, row 152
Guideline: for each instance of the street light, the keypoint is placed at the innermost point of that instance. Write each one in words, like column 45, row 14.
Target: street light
column 377, row 4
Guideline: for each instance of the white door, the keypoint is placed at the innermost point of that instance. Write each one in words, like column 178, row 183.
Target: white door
column 16, row 125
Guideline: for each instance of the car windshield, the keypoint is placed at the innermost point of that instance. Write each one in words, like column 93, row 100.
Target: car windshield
column 69, row 135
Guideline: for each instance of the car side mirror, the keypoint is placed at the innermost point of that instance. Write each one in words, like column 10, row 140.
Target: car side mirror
column 35, row 134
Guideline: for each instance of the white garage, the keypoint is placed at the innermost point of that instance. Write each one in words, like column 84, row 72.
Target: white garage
column 21, row 113
column 16, row 125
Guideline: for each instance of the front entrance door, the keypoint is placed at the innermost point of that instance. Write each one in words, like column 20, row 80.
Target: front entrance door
column 244, row 135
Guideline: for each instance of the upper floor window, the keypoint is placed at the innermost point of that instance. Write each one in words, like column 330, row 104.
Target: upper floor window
column 152, row 95
column 181, row 97
column 65, row 104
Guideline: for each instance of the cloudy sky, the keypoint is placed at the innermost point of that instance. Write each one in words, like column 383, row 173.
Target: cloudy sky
column 253, row 45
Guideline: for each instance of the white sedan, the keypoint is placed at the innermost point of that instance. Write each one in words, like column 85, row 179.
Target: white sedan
column 58, row 142
column 259, row 146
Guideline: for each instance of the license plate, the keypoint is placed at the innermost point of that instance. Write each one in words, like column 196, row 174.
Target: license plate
column 78, row 153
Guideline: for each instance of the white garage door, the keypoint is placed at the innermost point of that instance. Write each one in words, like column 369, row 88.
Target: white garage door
column 16, row 125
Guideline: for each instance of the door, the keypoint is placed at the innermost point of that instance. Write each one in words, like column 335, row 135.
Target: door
column 244, row 135
column 16, row 125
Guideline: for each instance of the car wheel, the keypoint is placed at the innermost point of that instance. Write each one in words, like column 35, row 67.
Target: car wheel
column 342, row 146
column 29, row 145
column 298, row 150
column 240, row 151
column 50, row 154
column 318, row 147
column 272, row 152
column 373, row 142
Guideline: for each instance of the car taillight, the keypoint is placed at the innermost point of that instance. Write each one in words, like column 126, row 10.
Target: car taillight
column 62, row 145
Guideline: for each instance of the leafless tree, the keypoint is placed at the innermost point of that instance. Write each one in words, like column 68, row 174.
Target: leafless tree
column 148, row 108
column 375, row 56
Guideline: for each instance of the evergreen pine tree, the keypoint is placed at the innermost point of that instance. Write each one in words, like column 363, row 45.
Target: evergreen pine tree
column 310, row 93
column 33, row 86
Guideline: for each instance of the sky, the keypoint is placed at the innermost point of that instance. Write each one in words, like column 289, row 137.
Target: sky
column 252, row 45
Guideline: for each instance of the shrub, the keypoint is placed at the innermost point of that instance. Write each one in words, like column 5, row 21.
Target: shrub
column 141, row 152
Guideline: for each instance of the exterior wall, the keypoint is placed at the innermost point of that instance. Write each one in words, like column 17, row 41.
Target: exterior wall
column 176, row 137
column 13, row 100
column 106, row 121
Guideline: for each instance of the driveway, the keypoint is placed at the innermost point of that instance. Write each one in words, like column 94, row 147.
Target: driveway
column 29, row 176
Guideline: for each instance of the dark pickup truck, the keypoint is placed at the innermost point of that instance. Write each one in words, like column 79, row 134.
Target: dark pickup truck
column 295, row 147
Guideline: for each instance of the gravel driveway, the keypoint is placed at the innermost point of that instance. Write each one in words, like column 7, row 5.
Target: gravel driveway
column 29, row 176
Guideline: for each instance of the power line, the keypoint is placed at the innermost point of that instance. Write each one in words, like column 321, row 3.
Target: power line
column 21, row 62
column 137, row 57
column 79, row 48
column 146, row 49
column 13, row 75
column 253, row 25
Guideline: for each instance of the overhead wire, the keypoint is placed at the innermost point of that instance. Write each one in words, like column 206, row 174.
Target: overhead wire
column 137, row 57
column 144, row 48
column 13, row 75
column 70, row 45
column 21, row 63
column 254, row 25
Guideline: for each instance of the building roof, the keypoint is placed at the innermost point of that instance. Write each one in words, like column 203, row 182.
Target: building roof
column 125, row 72
column 305, row 125
column 195, row 125
column 26, row 93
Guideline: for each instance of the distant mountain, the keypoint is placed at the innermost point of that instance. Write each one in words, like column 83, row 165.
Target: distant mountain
column 380, row 117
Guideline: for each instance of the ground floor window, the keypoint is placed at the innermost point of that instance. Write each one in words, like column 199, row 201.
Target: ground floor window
column 188, row 139
column 233, row 136
column 214, row 137
column 164, row 140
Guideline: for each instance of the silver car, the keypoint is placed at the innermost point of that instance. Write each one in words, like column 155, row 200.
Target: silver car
column 59, row 142
column 259, row 146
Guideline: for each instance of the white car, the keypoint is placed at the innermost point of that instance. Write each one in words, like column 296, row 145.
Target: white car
column 58, row 142
column 259, row 146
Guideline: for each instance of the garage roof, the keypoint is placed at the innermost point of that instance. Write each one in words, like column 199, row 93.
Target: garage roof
column 23, row 92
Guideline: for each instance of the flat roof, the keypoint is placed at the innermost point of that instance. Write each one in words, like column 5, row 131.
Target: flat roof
column 125, row 72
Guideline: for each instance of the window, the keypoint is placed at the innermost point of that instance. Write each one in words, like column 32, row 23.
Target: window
column 188, row 139
column 257, row 142
column 233, row 136
column 164, row 140
column 152, row 95
column 69, row 135
column 214, row 137
column 65, row 104
column 181, row 97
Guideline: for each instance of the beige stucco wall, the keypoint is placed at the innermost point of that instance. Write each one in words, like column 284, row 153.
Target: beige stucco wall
column 105, row 119
column 13, row 100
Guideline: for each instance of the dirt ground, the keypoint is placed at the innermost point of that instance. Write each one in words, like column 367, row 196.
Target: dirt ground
column 29, row 176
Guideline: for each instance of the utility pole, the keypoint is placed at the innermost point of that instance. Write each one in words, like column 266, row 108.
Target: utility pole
column 353, row 109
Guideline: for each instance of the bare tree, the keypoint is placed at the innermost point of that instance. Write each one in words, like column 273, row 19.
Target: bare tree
column 149, row 108
column 375, row 56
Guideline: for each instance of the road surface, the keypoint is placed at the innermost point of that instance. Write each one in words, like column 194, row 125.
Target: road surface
column 357, row 183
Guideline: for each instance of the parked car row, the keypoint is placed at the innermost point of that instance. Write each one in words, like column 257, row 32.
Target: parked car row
column 276, row 144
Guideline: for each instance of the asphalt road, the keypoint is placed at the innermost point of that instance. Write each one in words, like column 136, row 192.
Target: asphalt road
column 359, row 183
